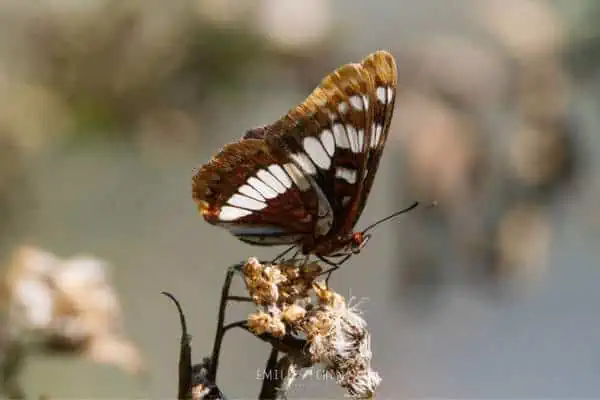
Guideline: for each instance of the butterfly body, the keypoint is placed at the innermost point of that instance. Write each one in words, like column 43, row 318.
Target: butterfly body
column 304, row 179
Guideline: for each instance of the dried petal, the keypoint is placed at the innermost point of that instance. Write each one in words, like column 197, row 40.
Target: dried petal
column 293, row 313
column 258, row 322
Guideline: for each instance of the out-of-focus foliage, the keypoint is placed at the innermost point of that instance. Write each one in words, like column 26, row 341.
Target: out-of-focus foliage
column 100, row 67
column 63, row 307
column 583, row 52
column 489, row 136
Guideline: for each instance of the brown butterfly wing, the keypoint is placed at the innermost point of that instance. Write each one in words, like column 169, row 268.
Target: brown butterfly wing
column 326, row 136
column 305, row 178
column 255, row 195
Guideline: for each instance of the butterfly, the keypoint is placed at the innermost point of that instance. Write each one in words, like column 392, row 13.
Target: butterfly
column 304, row 180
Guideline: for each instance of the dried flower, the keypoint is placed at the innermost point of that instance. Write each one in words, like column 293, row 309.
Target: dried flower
column 290, row 300
column 339, row 340
column 261, row 322
column 66, row 305
column 293, row 313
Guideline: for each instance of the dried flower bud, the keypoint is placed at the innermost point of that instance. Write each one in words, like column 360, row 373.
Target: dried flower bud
column 261, row 322
column 273, row 275
column 262, row 282
column 362, row 384
column 339, row 339
column 327, row 296
column 258, row 322
column 252, row 268
column 293, row 313
column 277, row 328
column 291, row 272
column 311, row 270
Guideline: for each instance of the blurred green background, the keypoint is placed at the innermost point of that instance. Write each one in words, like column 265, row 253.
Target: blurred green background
column 107, row 106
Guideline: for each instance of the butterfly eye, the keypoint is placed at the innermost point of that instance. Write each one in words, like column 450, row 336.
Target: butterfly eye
column 359, row 240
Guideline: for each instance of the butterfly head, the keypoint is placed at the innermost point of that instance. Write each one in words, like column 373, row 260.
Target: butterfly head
column 358, row 241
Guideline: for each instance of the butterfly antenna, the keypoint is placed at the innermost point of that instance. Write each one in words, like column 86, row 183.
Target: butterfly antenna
column 403, row 211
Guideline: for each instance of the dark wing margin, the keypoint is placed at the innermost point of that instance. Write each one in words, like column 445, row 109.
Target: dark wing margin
column 257, row 197
column 382, row 69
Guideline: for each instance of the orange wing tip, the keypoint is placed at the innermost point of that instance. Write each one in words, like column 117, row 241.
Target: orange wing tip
column 210, row 214
column 207, row 210
column 383, row 63
column 380, row 56
column 203, row 206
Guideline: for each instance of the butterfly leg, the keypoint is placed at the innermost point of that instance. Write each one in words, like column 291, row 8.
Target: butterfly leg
column 231, row 272
column 334, row 266
column 282, row 254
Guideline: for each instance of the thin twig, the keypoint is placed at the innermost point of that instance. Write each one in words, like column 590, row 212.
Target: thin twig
column 236, row 324
column 214, row 365
column 241, row 299
column 286, row 344
column 185, row 355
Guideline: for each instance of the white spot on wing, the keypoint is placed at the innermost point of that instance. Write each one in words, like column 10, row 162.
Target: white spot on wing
column 361, row 139
column 249, row 203
column 270, row 180
column 341, row 140
column 281, row 175
column 262, row 188
column 297, row 176
column 390, row 94
column 328, row 141
column 250, row 192
column 353, row 137
column 356, row 102
column 346, row 200
column 377, row 129
column 382, row 94
column 366, row 102
column 379, row 132
column 343, row 107
column 304, row 162
column 349, row 175
column 232, row 213
column 316, row 152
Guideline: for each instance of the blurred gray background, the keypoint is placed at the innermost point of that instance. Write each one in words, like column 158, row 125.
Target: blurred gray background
column 107, row 106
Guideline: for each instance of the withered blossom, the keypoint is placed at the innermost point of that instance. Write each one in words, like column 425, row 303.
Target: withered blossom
column 290, row 301
column 66, row 306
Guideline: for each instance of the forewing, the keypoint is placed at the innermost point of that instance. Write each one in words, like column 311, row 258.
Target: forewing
column 258, row 197
column 327, row 137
